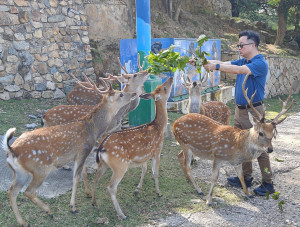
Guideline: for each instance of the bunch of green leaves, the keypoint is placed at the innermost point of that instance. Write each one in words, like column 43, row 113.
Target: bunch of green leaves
column 169, row 61
column 166, row 61
column 200, row 59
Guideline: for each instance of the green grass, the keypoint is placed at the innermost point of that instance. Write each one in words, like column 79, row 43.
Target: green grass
column 179, row 196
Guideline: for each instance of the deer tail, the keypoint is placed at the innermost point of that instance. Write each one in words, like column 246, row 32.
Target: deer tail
column 7, row 137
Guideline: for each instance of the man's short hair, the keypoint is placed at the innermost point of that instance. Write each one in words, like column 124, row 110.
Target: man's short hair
column 251, row 35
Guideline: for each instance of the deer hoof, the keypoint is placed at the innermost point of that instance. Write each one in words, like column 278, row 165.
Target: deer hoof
column 136, row 192
column 201, row 193
column 159, row 195
column 250, row 196
column 124, row 217
column 50, row 215
column 74, row 211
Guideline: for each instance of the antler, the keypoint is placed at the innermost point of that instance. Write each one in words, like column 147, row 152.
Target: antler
column 284, row 109
column 250, row 102
column 92, row 84
column 123, row 67
column 185, row 83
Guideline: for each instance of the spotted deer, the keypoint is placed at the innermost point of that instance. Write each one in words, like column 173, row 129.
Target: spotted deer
column 62, row 114
column 201, row 136
column 215, row 110
column 40, row 151
column 134, row 147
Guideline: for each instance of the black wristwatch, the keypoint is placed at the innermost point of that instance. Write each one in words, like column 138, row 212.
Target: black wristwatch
column 217, row 66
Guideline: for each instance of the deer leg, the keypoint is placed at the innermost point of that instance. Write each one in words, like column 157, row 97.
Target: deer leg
column 144, row 170
column 18, row 183
column 78, row 166
column 102, row 167
column 118, row 174
column 155, row 171
column 215, row 175
column 86, row 183
column 239, row 172
column 30, row 192
column 188, row 154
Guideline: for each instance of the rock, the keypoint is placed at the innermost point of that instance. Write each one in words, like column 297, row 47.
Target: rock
column 21, row 45
column 23, row 17
column 4, row 96
column 58, row 94
column 31, row 126
column 12, row 88
column 47, row 94
column 31, row 116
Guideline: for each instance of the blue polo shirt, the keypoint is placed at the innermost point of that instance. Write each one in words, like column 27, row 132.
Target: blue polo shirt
column 257, row 81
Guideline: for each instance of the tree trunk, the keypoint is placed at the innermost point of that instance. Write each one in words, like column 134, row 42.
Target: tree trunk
column 177, row 11
column 235, row 8
column 282, row 12
column 171, row 8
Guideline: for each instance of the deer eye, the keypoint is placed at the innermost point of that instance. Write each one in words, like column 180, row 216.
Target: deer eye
column 260, row 134
column 135, row 75
column 121, row 95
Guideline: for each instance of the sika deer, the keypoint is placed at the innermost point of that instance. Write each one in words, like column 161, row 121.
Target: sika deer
column 82, row 96
column 215, row 110
column 134, row 146
column 69, row 113
column 38, row 152
column 208, row 139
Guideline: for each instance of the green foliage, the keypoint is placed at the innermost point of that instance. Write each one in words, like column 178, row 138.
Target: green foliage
column 279, row 160
column 169, row 61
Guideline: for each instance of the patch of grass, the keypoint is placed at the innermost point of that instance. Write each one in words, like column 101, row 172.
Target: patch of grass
column 14, row 113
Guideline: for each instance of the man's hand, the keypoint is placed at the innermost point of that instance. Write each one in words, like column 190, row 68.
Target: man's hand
column 192, row 61
column 210, row 66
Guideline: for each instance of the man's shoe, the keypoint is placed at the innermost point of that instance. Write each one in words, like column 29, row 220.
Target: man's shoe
column 264, row 188
column 235, row 181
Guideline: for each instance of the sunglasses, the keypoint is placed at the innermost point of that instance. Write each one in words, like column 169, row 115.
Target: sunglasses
column 242, row 45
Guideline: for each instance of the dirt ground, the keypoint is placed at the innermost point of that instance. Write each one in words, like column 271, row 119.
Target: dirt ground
column 256, row 211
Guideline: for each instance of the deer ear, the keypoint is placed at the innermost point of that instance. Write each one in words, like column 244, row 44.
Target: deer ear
column 253, row 120
column 146, row 96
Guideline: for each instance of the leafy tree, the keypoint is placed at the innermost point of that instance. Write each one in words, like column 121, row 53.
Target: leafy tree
column 283, row 7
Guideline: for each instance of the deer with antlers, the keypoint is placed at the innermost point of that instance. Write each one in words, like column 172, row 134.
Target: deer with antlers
column 80, row 96
column 134, row 147
column 215, row 110
column 69, row 113
column 201, row 136
column 40, row 151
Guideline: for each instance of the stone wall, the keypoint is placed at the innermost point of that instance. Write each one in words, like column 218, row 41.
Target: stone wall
column 40, row 43
column 283, row 73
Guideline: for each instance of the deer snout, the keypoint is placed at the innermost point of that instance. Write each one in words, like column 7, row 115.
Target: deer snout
column 194, row 84
column 270, row 150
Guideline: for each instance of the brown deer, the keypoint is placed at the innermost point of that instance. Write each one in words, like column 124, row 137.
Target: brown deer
column 208, row 139
column 70, row 113
column 215, row 110
column 40, row 151
column 134, row 146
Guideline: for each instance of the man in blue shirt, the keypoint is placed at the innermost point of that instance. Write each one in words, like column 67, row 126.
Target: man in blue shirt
column 254, row 63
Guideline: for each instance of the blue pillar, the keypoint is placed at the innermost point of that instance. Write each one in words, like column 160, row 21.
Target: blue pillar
column 145, row 112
